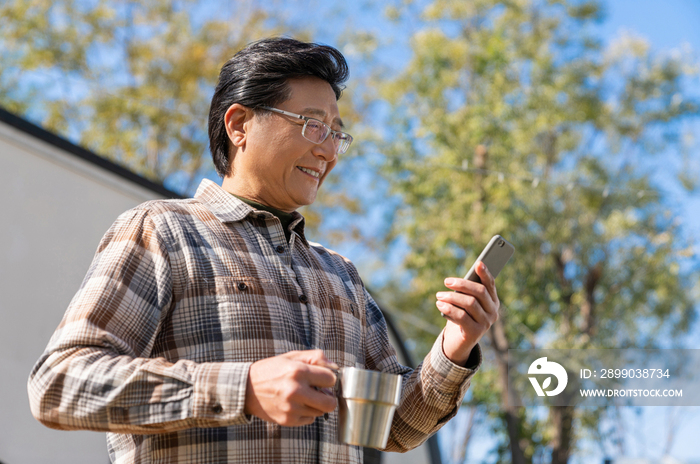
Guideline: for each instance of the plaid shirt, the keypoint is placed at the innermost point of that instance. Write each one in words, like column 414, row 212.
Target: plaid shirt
column 181, row 297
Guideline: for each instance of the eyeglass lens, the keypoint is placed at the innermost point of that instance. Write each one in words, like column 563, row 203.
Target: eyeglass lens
column 316, row 132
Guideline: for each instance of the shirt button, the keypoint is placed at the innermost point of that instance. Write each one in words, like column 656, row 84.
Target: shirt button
column 218, row 409
column 303, row 299
column 280, row 249
column 242, row 286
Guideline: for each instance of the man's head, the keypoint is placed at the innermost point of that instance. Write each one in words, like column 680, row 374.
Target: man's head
column 259, row 75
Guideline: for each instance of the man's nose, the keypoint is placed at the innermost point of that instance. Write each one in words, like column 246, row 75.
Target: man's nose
column 325, row 150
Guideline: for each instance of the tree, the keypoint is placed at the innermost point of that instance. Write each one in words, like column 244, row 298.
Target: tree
column 512, row 118
column 130, row 80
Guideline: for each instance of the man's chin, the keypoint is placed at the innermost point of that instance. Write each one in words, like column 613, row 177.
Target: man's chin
column 306, row 200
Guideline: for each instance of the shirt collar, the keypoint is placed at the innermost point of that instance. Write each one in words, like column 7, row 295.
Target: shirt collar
column 227, row 208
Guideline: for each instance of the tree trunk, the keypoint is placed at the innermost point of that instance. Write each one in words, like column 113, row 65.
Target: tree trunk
column 499, row 342
column 562, row 418
column 508, row 398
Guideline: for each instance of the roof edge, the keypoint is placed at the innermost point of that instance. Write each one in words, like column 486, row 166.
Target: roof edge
column 59, row 142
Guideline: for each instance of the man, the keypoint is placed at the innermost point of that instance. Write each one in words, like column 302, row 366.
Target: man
column 207, row 330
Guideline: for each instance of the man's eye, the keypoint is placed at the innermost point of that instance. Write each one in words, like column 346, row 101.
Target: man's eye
column 314, row 126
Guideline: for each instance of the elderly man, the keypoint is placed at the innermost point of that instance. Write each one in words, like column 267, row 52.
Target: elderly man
column 207, row 330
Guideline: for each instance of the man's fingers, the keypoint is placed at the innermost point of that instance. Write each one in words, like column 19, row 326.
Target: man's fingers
column 321, row 377
column 318, row 371
column 487, row 279
column 464, row 303
column 485, row 292
column 466, row 286
column 320, row 402
column 291, row 389
column 313, row 357
column 303, row 420
column 458, row 312
column 471, row 308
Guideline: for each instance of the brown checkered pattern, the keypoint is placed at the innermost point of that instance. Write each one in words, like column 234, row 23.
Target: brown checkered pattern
column 181, row 297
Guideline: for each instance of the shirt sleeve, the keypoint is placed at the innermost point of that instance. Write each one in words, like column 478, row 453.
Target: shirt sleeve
column 96, row 373
column 431, row 394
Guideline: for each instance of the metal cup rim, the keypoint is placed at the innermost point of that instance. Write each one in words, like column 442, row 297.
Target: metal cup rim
column 369, row 386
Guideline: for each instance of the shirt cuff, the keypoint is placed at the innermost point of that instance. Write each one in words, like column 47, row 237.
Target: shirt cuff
column 219, row 394
column 449, row 371
column 447, row 382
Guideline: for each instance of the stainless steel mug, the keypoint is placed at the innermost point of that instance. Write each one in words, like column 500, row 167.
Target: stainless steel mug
column 366, row 404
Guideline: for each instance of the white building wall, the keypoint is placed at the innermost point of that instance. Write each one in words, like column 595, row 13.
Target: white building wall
column 54, row 208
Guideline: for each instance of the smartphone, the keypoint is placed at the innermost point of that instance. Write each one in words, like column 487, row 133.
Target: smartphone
column 495, row 256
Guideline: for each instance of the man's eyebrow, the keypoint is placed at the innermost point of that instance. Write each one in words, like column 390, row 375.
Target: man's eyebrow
column 322, row 114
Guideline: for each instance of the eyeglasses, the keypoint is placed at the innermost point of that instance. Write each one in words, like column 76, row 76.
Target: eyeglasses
column 316, row 131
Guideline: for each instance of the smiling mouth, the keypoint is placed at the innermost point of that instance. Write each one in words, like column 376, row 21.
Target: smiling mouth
column 310, row 172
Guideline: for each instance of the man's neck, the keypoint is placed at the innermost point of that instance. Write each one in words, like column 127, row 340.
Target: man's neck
column 248, row 195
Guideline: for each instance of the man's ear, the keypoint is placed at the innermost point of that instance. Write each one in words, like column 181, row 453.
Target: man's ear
column 235, row 118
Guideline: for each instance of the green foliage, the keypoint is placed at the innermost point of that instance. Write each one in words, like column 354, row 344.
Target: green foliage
column 129, row 80
column 132, row 81
column 511, row 118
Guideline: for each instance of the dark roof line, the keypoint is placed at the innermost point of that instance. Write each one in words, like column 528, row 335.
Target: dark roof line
column 59, row 142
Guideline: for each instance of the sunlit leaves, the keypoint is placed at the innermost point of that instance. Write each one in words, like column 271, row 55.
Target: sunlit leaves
column 133, row 79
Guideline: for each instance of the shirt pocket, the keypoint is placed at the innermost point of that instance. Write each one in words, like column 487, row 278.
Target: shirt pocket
column 259, row 321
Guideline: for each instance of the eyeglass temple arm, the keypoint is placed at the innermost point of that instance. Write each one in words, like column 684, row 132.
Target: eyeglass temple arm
column 286, row 113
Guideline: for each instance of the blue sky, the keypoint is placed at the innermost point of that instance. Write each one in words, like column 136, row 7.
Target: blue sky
column 666, row 23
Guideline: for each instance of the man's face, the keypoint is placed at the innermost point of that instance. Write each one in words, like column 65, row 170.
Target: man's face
column 273, row 166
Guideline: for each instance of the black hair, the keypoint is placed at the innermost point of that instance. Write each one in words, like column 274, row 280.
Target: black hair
column 258, row 75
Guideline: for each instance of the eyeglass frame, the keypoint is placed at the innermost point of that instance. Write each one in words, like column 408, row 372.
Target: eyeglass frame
column 306, row 120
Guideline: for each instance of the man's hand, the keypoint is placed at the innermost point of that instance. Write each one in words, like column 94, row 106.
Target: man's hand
column 286, row 389
column 470, row 311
